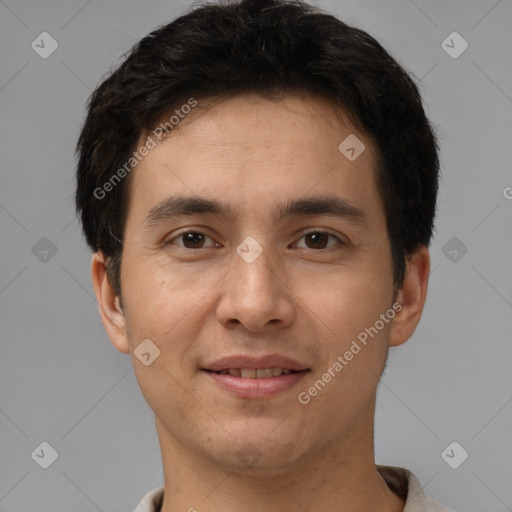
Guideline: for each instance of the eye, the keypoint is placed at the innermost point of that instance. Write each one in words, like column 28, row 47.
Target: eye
column 318, row 239
column 195, row 240
column 190, row 239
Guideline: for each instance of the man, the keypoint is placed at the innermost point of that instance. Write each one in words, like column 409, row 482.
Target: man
column 258, row 183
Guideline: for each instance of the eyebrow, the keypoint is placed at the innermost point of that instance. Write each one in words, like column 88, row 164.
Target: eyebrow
column 179, row 206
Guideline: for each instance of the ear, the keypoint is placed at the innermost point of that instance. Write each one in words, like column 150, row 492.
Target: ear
column 412, row 297
column 111, row 313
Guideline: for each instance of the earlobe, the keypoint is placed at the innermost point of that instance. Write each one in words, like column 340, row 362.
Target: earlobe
column 110, row 310
column 412, row 297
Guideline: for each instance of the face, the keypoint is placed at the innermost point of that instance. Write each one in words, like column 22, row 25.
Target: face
column 287, row 274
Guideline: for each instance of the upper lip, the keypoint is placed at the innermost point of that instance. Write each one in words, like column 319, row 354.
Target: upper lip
column 267, row 361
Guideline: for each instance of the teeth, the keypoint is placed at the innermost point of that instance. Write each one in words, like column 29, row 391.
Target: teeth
column 263, row 373
column 255, row 373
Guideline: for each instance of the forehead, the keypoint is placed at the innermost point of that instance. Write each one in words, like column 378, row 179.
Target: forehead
column 252, row 149
column 298, row 111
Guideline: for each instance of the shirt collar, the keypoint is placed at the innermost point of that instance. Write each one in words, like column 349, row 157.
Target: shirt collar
column 401, row 481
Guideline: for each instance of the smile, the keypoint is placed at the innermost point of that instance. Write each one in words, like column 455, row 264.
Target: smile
column 255, row 373
column 254, row 383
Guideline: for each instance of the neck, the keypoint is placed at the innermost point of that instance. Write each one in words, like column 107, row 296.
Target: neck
column 340, row 477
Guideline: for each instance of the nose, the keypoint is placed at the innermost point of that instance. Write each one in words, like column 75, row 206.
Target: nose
column 256, row 295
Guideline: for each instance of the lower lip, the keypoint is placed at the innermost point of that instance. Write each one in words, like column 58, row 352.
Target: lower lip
column 256, row 388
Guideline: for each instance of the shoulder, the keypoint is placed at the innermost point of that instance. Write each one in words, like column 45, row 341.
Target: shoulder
column 405, row 484
column 152, row 501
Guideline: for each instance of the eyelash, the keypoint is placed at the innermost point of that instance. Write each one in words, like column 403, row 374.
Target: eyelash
column 316, row 232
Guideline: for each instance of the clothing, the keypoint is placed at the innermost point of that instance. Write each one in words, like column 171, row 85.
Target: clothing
column 401, row 481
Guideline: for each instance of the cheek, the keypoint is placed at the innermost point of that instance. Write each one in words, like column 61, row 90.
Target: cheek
column 346, row 300
column 157, row 292
column 350, row 303
column 161, row 306
column 164, row 304
column 355, row 350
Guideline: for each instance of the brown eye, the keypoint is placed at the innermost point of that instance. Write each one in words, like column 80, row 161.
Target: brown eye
column 192, row 240
column 318, row 239
column 189, row 239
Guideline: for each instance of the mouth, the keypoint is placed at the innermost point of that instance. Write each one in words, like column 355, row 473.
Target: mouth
column 255, row 373
column 264, row 377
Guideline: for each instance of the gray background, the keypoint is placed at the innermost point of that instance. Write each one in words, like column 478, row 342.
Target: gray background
column 61, row 380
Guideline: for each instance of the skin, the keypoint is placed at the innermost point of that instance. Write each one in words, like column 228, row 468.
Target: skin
column 202, row 303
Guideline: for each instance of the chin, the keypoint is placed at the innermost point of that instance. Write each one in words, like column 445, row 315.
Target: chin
column 256, row 449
